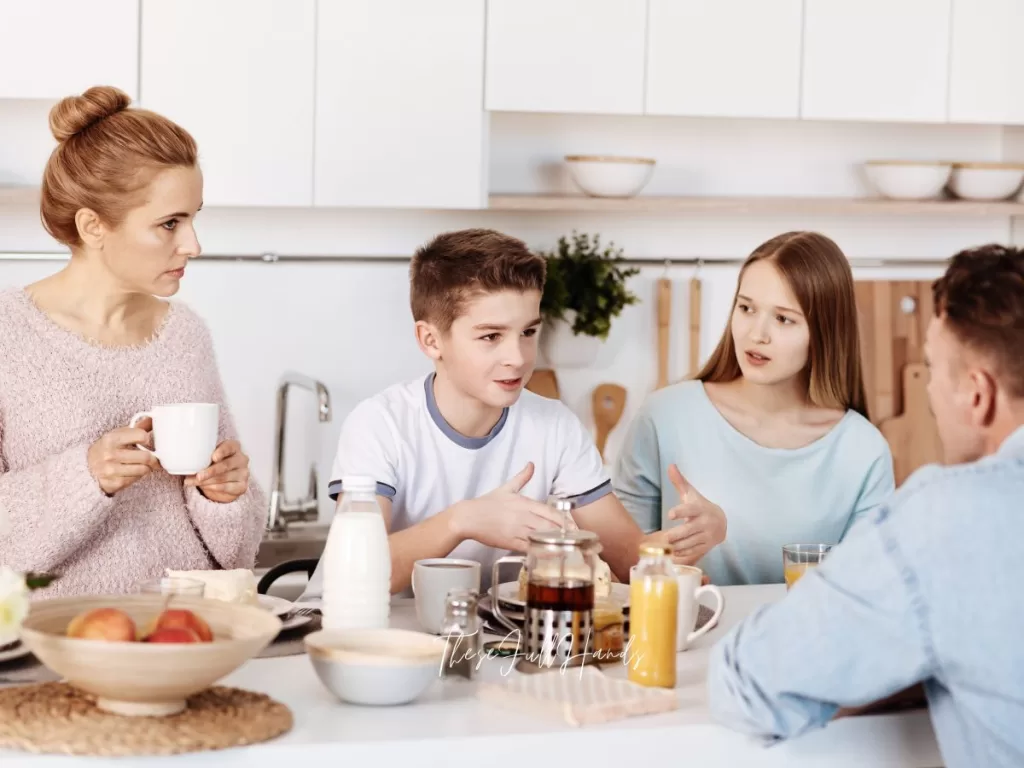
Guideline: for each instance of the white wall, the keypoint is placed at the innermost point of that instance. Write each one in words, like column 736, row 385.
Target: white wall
column 349, row 324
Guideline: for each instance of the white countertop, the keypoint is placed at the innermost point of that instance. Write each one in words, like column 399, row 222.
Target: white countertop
column 448, row 725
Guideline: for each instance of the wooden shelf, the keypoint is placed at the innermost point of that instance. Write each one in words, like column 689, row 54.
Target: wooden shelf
column 865, row 206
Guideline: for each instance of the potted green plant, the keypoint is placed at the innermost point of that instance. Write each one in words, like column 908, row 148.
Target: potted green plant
column 584, row 291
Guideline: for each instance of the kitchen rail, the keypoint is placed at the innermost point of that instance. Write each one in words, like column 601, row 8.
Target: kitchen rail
column 278, row 258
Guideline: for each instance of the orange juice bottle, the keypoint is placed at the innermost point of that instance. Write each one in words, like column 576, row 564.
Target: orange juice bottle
column 653, row 611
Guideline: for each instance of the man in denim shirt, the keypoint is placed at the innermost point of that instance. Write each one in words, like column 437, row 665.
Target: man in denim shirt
column 930, row 588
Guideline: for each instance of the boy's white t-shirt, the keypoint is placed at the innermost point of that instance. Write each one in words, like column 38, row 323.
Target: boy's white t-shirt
column 400, row 439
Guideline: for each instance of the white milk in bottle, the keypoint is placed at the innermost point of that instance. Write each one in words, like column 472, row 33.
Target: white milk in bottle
column 357, row 561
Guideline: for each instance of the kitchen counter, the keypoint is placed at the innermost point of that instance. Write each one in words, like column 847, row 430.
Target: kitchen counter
column 448, row 725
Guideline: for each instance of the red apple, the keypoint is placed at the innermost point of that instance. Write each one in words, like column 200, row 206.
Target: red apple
column 102, row 624
column 172, row 635
column 181, row 618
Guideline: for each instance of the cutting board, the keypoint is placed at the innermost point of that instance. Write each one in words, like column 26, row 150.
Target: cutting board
column 913, row 436
column 893, row 318
column 608, row 401
column 544, row 383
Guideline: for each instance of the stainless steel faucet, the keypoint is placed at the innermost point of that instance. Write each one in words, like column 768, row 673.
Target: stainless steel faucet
column 282, row 510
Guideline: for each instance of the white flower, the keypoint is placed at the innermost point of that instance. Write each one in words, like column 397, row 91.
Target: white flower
column 13, row 604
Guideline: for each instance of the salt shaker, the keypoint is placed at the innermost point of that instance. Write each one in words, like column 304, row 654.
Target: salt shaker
column 461, row 630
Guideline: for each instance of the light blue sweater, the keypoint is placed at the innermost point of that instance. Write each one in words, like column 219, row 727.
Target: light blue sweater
column 770, row 496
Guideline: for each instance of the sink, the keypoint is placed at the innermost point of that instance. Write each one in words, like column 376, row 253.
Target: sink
column 300, row 541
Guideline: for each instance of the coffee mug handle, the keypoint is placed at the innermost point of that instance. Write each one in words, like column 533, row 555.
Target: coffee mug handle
column 713, row 621
column 135, row 420
column 495, row 602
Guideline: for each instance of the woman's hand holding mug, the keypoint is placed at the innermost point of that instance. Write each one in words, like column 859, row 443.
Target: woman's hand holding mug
column 115, row 461
column 227, row 477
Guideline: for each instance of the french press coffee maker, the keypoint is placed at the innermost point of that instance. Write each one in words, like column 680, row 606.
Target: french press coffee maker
column 558, row 617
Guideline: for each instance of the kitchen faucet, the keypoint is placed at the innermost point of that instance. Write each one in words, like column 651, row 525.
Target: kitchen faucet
column 282, row 510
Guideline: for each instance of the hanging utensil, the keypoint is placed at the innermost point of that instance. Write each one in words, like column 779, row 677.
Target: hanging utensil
column 608, row 402
column 544, row 383
column 664, row 329
column 695, row 322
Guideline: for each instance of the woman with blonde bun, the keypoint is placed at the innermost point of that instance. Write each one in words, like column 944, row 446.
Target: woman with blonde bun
column 89, row 346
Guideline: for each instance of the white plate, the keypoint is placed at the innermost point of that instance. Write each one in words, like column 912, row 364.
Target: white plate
column 276, row 605
column 509, row 593
column 16, row 652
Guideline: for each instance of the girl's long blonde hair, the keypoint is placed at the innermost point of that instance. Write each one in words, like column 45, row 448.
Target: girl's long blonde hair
column 819, row 275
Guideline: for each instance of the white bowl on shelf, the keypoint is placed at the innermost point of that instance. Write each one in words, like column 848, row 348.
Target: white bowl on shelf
column 986, row 181
column 610, row 176
column 908, row 179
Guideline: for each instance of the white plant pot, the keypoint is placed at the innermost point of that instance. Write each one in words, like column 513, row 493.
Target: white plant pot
column 562, row 348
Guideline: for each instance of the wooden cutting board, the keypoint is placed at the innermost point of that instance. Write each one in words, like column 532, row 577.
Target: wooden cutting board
column 544, row 383
column 913, row 436
column 893, row 317
column 608, row 402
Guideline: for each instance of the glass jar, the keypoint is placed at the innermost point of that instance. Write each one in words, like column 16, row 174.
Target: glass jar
column 653, row 613
column 461, row 632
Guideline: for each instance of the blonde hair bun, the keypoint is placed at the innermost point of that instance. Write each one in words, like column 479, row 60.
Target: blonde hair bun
column 73, row 114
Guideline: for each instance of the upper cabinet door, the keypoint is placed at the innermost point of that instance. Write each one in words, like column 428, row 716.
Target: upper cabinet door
column 399, row 104
column 50, row 49
column 986, row 80
column 566, row 56
column 730, row 58
column 239, row 76
column 876, row 60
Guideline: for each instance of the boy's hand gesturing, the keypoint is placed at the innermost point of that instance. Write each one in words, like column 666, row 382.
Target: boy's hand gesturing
column 503, row 518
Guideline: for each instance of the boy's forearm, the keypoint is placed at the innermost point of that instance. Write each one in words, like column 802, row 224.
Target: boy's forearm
column 436, row 536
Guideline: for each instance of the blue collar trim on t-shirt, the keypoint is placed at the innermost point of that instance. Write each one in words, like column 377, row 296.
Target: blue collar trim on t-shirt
column 446, row 428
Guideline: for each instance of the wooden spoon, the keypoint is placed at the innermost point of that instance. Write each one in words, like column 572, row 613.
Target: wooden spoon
column 664, row 329
column 694, row 326
column 544, row 383
column 608, row 402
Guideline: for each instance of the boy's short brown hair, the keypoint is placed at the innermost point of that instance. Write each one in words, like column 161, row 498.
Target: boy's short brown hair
column 981, row 299
column 455, row 265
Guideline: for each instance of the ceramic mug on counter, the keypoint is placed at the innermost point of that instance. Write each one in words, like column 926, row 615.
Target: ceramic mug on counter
column 689, row 579
column 184, row 435
column 432, row 579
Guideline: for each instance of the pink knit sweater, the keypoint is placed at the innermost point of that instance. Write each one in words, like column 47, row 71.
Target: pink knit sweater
column 58, row 394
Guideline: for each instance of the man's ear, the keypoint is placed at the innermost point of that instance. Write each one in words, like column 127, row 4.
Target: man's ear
column 429, row 339
column 984, row 394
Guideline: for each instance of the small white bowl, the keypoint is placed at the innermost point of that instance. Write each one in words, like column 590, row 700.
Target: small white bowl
column 607, row 176
column 986, row 181
column 376, row 667
column 908, row 179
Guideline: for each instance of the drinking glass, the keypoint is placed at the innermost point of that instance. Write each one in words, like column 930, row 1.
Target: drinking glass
column 797, row 558
column 173, row 585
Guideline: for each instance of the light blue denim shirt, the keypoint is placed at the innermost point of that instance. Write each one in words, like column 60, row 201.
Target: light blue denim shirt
column 930, row 589
column 770, row 496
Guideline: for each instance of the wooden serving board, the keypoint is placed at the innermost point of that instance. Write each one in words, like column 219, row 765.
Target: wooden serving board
column 891, row 340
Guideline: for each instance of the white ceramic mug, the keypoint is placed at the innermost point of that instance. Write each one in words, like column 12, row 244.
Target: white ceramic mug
column 184, row 435
column 431, row 580
column 688, row 578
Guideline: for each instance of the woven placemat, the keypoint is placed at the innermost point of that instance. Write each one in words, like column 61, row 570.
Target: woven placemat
column 54, row 718
column 290, row 642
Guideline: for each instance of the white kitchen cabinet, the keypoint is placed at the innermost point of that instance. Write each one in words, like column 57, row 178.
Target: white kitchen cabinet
column 986, row 79
column 885, row 60
column 728, row 58
column 583, row 56
column 239, row 75
column 399, row 104
column 50, row 49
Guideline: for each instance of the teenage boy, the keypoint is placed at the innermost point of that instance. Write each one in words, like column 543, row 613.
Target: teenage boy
column 465, row 459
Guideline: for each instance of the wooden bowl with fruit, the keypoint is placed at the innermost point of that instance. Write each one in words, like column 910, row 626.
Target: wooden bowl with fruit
column 145, row 654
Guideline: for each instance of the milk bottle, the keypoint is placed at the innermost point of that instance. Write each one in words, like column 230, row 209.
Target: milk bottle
column 357, row 561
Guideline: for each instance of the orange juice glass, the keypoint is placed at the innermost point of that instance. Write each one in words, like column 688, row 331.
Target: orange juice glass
column 797, row 558
column 653, row 610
